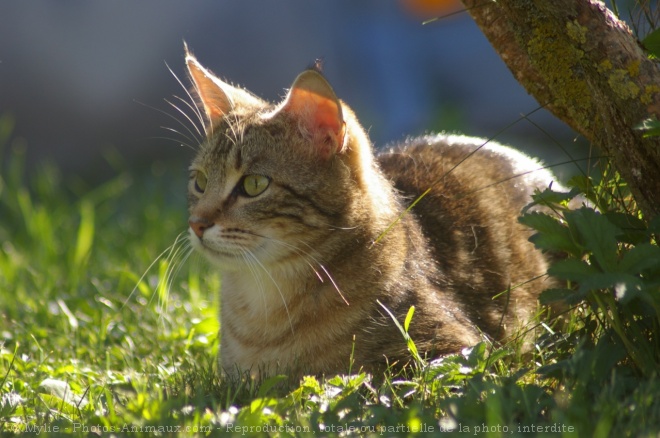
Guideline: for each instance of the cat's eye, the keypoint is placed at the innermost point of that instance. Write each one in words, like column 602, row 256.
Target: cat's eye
column 200, row 181
column 253, row 185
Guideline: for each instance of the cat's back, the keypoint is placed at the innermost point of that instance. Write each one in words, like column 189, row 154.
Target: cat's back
column 474, row 192
column 463, row 165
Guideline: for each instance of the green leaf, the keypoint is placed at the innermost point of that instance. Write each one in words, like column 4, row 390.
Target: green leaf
column 57, row 405
column 572, row 269
column 597, row 234
column 582, row 183
column 406, row 323
column 9, row 402
column 568, row 296
column 650, row 127
column 269, row 384
column 641, row 257
column 654, row 226
column 477, row 356
column 60, row 390
column 652, row 43
column 625, row 286
column 409, row 341
column 552, row 235
column 85, row 235
column 498, row 354
column 632, row 227
column 404, row 330
column 396, row 322
column 549, row 196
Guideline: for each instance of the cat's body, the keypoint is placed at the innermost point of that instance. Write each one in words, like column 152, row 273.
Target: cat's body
column 306, row 227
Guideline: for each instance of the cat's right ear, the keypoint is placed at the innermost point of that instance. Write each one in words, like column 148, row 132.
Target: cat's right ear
column 314, row 104
column 217, row 97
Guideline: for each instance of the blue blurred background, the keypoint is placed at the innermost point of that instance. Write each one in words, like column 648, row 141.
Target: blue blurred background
column 79, row 77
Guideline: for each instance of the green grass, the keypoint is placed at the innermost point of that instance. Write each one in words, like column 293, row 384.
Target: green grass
column 83, row 350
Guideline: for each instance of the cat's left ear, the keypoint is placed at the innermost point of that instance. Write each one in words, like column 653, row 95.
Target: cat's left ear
column 217, row 97
column 312, row 102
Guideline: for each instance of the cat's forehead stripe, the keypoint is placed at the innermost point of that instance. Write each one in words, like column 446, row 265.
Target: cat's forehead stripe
column 238, row 158
column 219, row 150
column 217, row 155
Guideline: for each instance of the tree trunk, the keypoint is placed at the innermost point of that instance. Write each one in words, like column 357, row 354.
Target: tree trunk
column 585, row 65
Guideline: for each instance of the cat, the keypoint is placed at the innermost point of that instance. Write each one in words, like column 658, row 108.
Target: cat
column 317, row 252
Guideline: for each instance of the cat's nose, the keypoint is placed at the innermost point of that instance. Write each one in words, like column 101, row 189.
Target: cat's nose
column 199, row 225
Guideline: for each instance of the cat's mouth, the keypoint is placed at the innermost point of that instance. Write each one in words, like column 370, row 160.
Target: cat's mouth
column 222, row 244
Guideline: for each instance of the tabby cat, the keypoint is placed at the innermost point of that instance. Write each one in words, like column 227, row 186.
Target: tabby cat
column 309, row 231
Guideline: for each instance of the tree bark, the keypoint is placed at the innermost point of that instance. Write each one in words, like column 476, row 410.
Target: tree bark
column 578, row 59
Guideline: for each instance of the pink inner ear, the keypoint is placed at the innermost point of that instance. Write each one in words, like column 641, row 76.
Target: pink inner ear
column 215, row 100
column 313, row 102
column 328, row 115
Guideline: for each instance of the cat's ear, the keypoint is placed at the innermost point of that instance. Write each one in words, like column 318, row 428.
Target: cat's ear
column 314, row 104
column 217, row 97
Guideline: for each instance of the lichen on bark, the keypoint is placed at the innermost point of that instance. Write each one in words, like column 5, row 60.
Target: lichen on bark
column 554, row 57
column 586, row 67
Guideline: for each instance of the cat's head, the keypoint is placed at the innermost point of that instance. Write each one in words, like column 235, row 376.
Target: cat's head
column 274, row 181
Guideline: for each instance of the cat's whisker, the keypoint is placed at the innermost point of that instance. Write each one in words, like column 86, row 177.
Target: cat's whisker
column 187, row 117
column 335, row 227
column 298, row 251
column 176, row 119
column 236, row 131
column 230, row 138
column 231, row 134
column 304, row 254
column 186, row 143
column 208, row 128
column 194, row 106
column 180, row 246
column 165, row 252
column 252, row 267
column 175, row 140
column 242, row 132
column 195, row 110
column 176, row 262
column 277, row 286
column 332, row 280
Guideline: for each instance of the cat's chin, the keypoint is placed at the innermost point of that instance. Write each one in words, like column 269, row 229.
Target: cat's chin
column 222, row 259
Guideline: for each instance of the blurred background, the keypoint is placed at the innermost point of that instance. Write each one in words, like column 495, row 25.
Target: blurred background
column 84, row 81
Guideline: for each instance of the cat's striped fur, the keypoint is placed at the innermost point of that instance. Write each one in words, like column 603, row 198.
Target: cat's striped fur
column 305, row 225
